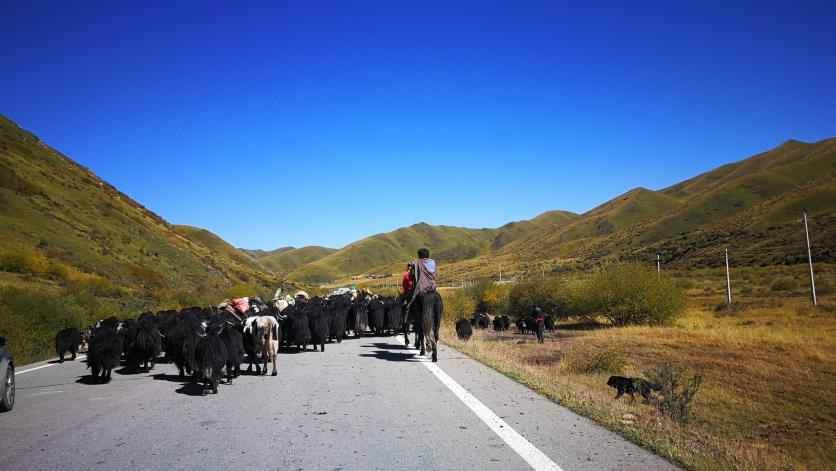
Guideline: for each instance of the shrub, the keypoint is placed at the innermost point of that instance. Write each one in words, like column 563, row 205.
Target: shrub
column 32, row 317
column 477, row 292
column 15, row 262
column 675, row 395
column 458, row 304
column 784, row 284
column 602, row 360
column 629, row 294
column 554, row 295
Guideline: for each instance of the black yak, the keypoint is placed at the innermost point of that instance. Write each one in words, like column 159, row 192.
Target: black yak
column 376, row 313
column 549, row 323
column 181, row 340
column 337, row 312
column 67, row 340
column 143, row 344
column 318, row 325
column 234, row 341
column 211, row 356
column 463, row 329
column 104, row 352
column 358, row 316
column 296, row 328
column 481, row 321
column 392, row 315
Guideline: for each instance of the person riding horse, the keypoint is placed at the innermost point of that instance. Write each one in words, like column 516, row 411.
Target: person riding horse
column 426, row 301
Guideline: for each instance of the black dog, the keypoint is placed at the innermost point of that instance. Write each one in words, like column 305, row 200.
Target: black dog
column 631, row 386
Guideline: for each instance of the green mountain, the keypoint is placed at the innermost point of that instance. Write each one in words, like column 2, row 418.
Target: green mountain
column 751, row 207
column 61, row 223
column 286, row 259
column 258, row 253
column 384, row 253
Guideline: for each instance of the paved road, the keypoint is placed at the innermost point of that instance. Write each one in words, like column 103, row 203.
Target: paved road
column 364, row 404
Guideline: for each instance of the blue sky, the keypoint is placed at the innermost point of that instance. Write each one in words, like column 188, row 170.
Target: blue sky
column 331, row 121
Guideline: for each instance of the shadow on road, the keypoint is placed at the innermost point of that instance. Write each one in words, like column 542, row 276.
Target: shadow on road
column 386, row 346
column 402, row 355
column 175, row 378
column 188, row 386
column 191, row 389
column 90, row 380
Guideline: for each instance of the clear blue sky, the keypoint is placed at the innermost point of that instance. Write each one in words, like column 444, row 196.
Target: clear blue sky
column 324, row 122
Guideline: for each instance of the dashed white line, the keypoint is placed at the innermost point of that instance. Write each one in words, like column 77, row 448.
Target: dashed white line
column 530, row 453
column 79, row 357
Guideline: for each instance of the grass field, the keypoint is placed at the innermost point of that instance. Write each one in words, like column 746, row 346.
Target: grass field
column 768, row 399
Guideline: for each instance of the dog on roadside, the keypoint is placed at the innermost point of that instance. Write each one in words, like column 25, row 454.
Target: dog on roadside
column 631, row 386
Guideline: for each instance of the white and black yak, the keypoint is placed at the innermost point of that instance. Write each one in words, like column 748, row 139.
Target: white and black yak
column 105, row 350
column 463, row 329
column 269, row 330
column 67, row 340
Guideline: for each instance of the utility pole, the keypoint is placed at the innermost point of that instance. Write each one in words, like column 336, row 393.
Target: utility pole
column 728, row 278
column 658, row 266
column 500, row 273
column 810, row 260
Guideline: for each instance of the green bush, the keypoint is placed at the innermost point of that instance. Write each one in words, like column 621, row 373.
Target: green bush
column 477, row 292
column 555, row 296
column 784, row 284
column 629, row 294
column 14, row 262
column 598, row 361
column 675, row 394
column 458, row 304
column 32, row 317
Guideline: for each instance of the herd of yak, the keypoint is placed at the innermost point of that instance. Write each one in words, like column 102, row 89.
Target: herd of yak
column 211, row 343
column 525, row 325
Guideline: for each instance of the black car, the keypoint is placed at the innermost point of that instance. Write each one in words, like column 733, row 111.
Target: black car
column 7, row 378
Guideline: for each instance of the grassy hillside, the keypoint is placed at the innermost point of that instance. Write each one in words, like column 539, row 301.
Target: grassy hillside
column 386, row 252
column 60, row 223
column 258, row 253
column 218, row 245
column 750, row 207
column 288, row 260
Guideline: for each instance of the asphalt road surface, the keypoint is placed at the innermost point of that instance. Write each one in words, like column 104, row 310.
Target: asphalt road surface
column 364, row 404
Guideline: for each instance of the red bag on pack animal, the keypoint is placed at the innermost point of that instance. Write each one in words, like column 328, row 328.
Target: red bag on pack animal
column 242, row 305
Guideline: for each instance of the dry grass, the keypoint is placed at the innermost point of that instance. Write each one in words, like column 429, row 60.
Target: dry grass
column 768, row 399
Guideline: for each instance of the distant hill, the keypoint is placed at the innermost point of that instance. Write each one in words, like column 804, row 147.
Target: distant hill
column 258, row 253
column 59, row 222
column 281, row 261
column 750, row 207
column 387, row 251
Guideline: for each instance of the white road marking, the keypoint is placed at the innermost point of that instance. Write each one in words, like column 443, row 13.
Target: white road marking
column 79, row 357
column 530, row 453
